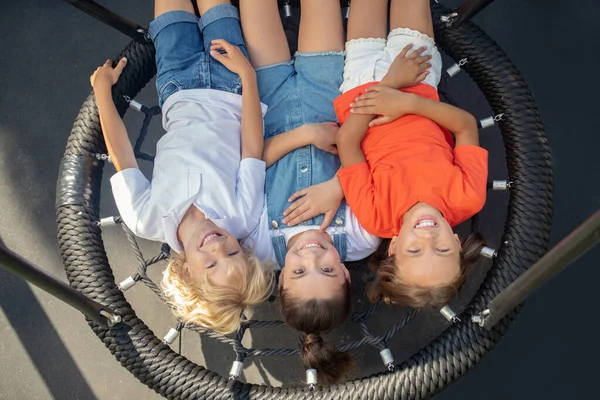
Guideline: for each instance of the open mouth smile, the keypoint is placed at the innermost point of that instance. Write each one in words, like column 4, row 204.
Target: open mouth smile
column 211, row 236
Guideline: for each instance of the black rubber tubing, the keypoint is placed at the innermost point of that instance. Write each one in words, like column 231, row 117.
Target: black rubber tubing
column 437, row 365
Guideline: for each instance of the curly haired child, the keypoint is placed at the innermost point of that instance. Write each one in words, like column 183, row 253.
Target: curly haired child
column 207, row 189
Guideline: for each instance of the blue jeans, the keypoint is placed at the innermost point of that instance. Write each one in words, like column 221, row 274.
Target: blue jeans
column 183, row 43
column 300, row 91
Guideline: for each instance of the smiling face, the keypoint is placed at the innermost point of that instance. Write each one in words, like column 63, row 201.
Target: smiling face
column 209, row 251
column 427, row 251
column 313, row 269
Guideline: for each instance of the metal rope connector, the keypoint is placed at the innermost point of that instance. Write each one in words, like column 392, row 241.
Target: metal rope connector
column 311, row 378
column 102, row 157
column 488, row 252
column 127, row 283
column 136, row 105
column 501, row 185
column 479, row 319
column 490, row 121
column 107, row 221
column 287, row 9
column 455, row 69
column 449, row 314
column 448, row 19
column 171, row 336
column 236, row 370
column 387, row 358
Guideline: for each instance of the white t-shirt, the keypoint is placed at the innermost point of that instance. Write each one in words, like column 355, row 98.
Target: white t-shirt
column 197, row 162
column 359, row 242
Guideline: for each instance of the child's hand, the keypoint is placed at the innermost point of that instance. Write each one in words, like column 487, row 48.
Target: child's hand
column 323, row 136
column 390, row 104
column 408, row 70
column 106, row 75
column 232, row 58
column 324, row 198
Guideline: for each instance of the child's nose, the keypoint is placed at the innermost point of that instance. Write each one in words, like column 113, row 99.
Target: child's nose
column 428, row 234
column 217, row 246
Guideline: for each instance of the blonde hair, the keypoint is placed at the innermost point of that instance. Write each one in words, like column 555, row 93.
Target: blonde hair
column 220, row 308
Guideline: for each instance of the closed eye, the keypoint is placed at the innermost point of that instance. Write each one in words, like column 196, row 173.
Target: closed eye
column 233, row 253
column 443, row 250
column 212, row 265
column 414, row 251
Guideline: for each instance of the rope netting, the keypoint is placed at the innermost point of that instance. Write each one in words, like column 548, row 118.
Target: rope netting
column 441, row 362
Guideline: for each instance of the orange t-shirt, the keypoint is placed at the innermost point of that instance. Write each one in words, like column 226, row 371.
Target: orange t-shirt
column 408, row 161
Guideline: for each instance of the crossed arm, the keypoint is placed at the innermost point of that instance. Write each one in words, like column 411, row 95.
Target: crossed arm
column 380, row 105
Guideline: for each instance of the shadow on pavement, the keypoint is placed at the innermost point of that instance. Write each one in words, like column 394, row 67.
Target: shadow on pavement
column 40, row 340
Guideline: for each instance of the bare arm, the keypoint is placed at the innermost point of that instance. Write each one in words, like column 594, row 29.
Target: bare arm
column 115, row 135
column 278, row 146
column 456, row 120
column 349, row 138
column 252, row 119
column 390, row 104
column 322, row 135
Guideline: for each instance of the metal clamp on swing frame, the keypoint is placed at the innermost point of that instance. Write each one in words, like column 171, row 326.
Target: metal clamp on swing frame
column 464, row 12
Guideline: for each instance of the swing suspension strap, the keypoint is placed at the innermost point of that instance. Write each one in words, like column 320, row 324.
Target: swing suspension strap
column 579, row 242
column 98, row 313
column 111, row 19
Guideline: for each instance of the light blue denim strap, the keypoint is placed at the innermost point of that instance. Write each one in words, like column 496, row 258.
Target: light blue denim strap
column 218, row 12
column 340, row 244
column 280, row 248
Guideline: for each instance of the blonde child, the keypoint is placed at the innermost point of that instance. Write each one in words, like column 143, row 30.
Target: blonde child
column 208, row 179
column 402, row 173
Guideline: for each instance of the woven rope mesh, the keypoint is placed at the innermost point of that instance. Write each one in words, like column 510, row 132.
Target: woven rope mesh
column 445, row 359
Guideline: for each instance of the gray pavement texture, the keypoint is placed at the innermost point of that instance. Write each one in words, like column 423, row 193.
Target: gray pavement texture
column 48, row 51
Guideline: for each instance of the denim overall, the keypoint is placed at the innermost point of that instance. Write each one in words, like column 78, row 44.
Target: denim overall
column 300, row 169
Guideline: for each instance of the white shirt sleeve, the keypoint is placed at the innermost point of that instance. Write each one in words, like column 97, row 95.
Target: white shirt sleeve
column 360, row 243
column 250, row 193
column 132, row 193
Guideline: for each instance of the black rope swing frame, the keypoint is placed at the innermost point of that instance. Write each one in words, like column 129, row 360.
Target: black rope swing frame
column 437, row 365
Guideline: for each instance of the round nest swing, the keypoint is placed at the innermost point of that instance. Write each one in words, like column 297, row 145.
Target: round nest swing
column 425, row 373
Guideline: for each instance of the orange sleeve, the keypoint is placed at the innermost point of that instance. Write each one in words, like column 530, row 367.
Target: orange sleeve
column 359, row 191
column 470, row 186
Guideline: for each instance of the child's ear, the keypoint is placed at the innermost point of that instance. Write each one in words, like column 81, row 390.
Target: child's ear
column 392, row 248
column 346, row 273
column 185, row 272
column 458, row 241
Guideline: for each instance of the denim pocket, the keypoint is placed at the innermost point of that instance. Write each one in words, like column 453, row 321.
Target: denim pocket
column 168, row 89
